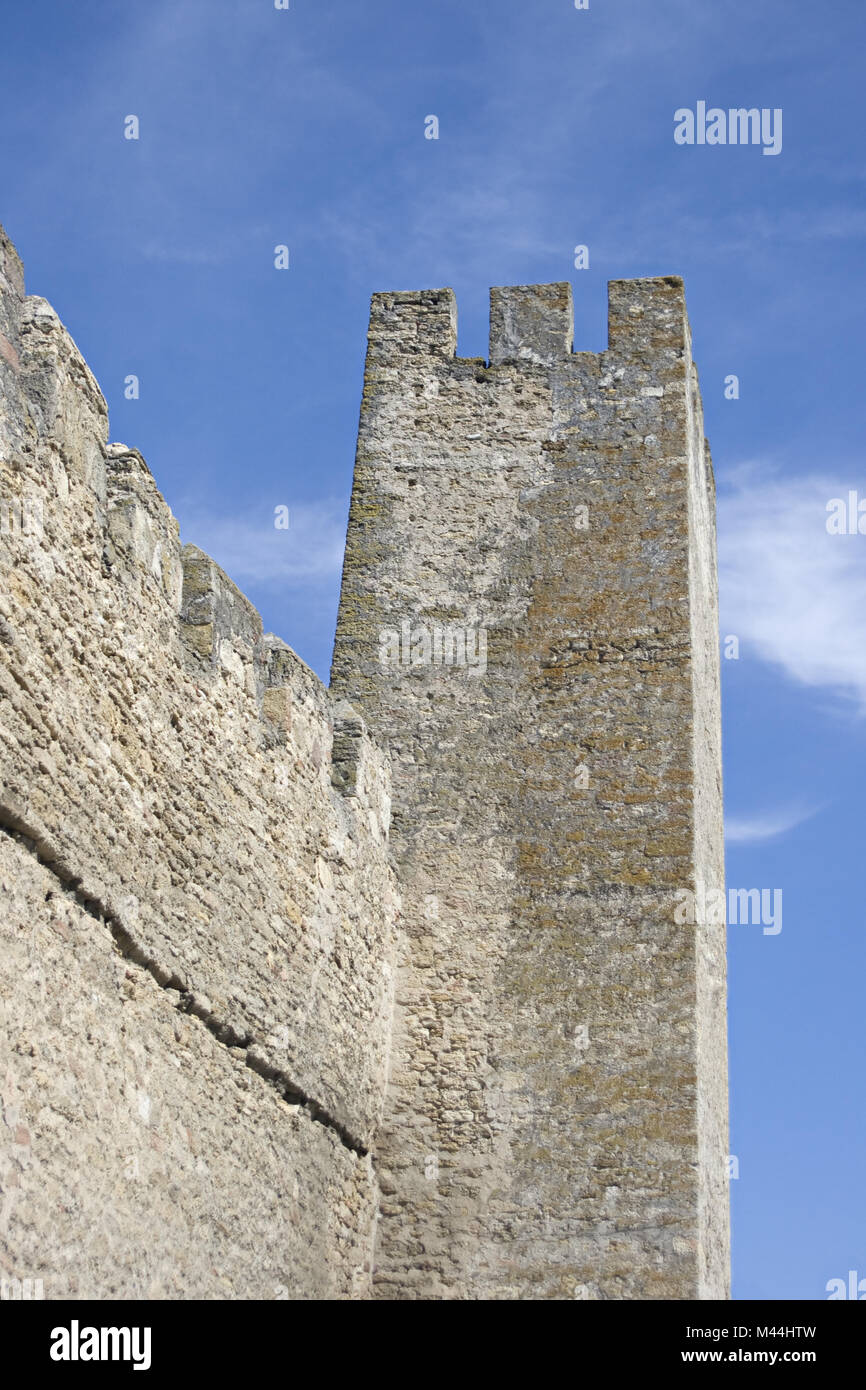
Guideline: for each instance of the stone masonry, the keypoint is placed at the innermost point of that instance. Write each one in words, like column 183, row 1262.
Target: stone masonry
column 556, row 1119
column 266, row 1036
column 196, row 904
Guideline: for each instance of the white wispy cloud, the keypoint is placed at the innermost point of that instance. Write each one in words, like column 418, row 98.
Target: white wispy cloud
column 248, row 546
column 161, row 250
column 766, row 825
column 794, row 594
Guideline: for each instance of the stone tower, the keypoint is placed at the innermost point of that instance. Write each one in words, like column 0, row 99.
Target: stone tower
column 528, row 623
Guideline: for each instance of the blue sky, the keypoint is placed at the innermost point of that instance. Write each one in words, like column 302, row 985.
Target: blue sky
column 306, row 127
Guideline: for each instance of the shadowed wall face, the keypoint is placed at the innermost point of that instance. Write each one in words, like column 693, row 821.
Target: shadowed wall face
column 528, row 622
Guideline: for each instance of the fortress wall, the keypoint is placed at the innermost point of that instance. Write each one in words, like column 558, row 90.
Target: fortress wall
column 199, row 954
column 197, row 910
column 556, row 1116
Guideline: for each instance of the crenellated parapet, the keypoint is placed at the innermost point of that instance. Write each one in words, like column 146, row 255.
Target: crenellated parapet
column 530, row 324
